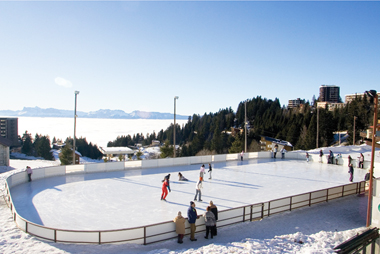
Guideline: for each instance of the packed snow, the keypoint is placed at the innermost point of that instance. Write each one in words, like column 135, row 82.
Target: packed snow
column 315, row 229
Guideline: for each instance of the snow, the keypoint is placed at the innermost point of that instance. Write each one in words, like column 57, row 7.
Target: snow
column 315, row 229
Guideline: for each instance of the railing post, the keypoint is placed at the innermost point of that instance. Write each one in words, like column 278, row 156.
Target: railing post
column 250, row 217
column 309, row 198
column 244, row 214
column 144, row 235
column 268, row 208
column 100, row 238
column 343, row 191
column 327, row 196
column 262, row 210
column 55, row 235
column 291, row 201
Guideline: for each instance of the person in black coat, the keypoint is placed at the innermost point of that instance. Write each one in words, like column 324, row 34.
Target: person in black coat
column 214, row 210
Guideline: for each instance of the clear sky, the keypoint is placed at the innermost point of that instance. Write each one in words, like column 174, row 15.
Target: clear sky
column 213, row 55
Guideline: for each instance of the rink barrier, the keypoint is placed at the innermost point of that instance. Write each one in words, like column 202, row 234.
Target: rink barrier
column 166, row 230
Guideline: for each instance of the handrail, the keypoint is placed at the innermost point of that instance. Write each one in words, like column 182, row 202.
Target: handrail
column 141, row 234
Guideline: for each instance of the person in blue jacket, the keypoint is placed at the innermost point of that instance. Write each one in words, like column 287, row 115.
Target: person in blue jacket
column 192, row 216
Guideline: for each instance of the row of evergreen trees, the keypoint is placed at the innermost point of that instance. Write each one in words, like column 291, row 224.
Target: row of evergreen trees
column 40, row 146
column 207, row 134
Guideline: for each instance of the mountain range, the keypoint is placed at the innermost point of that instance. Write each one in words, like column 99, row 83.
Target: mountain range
column 101, row 113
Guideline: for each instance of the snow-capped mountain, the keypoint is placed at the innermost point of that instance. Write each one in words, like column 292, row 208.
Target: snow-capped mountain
column 101, row 113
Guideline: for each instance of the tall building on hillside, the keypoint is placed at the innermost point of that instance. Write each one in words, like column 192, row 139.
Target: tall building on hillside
column 351, row 97
column 329, row 94
column 9, row 130
column 295, row 103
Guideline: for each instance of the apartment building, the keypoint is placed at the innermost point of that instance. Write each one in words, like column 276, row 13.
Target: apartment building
column 9, row 130
column 329, row 94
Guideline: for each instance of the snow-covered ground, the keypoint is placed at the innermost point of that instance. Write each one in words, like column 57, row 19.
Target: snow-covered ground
column 319, row 227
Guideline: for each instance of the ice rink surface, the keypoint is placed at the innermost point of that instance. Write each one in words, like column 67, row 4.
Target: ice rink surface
column 131, row 198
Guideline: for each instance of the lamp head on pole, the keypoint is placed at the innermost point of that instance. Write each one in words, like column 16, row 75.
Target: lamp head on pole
column 176, row 97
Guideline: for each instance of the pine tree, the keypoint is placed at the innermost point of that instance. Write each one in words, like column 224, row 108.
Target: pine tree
column 27, row 147
column 66, row 155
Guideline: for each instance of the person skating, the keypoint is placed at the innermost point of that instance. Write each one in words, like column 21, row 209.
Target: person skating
column 202, row 171
column 320, row 155
column 181, row 177
column 165, row 187
column 331, row 157
column 307, row 156
column 283, row 151
column 209, row 222
column 180, row 226
column 241, row 155
column 214, row 210
column 275, row 151
column 361, row 161
column 29, row 171
column 198, row 188
column 192, row 216
column 351, row 171
column 209, row 170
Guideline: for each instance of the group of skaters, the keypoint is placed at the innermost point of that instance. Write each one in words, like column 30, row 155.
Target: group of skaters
column 210, row 216
column 283, row 151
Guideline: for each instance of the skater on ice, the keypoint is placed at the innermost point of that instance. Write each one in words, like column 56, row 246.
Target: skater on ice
column 283, row 151
column 241, row 155
column 202, row 171
column 320, row 155
column 198, row 188
column 307, row 156
column 29, row 171
column 351, row 172
column 181, row 177
column 209, row 170
column 165, row 187
column 361, row 161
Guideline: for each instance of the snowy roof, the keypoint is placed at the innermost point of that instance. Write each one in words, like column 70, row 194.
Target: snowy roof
column 278, row 141
column 116, row 150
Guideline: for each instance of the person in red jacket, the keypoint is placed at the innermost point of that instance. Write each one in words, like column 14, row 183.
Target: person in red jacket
column 165, row 187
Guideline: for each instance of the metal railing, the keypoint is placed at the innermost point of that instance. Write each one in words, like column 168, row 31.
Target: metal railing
column 166, row 230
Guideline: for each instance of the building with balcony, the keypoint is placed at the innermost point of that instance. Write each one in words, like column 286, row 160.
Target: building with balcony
column 329, row 94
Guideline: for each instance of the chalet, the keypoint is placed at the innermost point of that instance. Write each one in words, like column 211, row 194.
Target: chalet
column 268, row 144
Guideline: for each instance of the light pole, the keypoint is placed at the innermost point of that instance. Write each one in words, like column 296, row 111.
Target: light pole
column 317, row 125
column 372, row 93
column 174, row 151
column 245, row 124
column 354, row 129
column 75, row 122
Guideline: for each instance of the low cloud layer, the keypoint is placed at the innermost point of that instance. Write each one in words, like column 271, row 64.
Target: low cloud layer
column 63, row 82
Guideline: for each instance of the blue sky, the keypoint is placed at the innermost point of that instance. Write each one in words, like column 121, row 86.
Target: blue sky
column 213, row 55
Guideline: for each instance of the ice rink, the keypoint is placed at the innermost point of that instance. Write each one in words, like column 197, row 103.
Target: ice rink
column 124, row 199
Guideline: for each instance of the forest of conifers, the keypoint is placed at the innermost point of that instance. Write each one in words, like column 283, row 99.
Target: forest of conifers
column 209, row 134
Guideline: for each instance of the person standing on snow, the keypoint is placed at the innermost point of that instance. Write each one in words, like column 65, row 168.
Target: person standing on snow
column 165, row 187
column 180, row 226
column 209, row 222
column 192, row 216
column 198, row 188
column 214, row 210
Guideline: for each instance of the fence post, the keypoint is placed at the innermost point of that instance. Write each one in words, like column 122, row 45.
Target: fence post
column 268, row 208
column 291, row 201
column 343, row 191
column 262, row 210
column 309, row 198
column 250, row 217
column 327, row 196
column 55, row 235
column 144, row 235
column 100, row 238
column 244, row 214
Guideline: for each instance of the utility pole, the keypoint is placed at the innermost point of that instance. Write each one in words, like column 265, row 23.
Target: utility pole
column 75, row 123
column 174, row 128
column 245, row 124
column 317, row 125
column 354, row 129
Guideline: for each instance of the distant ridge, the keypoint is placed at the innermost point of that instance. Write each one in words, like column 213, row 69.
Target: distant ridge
column 101, row 113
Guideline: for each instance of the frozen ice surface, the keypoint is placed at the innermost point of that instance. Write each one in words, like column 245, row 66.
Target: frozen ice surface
column 131, row 198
